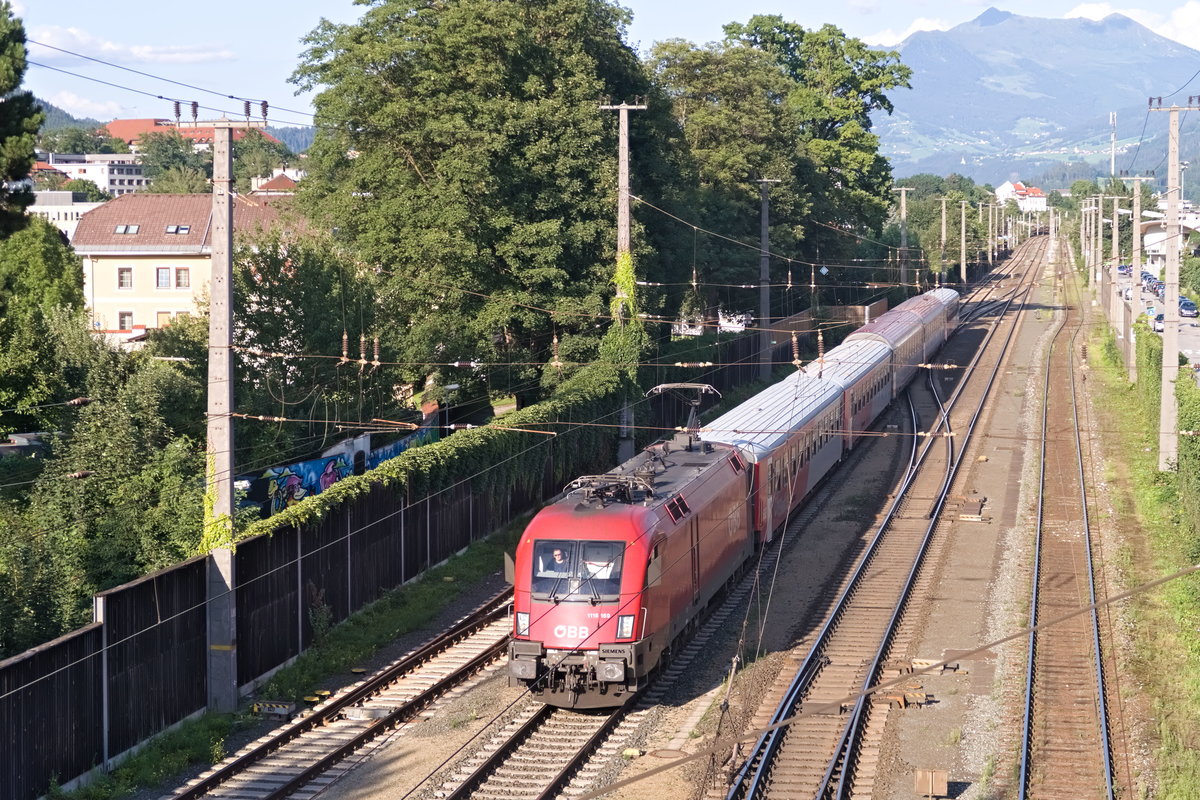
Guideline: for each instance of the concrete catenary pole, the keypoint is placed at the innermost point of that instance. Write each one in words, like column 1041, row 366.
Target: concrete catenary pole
column 1168, row 434
column 625, row 440
column 942, row 241
column 903, row 190
column 962, row 243
column 1113, row 298
column 222, row 627
column 764, row 283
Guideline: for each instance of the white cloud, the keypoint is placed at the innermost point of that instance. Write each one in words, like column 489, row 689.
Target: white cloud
column 83, row 107
column 79, row 41
column 889, row 37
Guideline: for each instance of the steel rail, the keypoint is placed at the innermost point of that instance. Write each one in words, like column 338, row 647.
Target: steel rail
column 489, row 611
column 768, row 744
column 1034, row 617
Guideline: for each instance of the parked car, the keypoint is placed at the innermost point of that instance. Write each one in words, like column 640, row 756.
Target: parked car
column 1187, row 308
column 1157, row 324
column 1124, row 269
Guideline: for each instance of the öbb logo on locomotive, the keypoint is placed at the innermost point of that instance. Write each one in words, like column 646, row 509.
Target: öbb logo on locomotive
column 610, row 575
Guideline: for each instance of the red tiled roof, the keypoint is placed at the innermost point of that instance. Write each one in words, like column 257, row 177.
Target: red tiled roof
column 131, row 130
column 154, row 214
column 280, row 183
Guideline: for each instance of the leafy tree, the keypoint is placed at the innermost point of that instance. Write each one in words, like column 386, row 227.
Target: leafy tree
column 838, row 82
column 299, row 296
column 91, row 192
column 774, row 101
column 461, row 150
column 138, row 506
column 254, row 156
column 161, row 152
column 19, row 123
column 49, row 181
column 78, row 140
column 37, row 266
column 179, row 180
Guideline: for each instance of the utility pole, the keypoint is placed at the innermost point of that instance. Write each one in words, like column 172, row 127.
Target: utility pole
column 218, row 523
column 1131, row 359
column 942, row 241
column 1113, row 299
column 903, row 190
column 1112, row 143
column 991, row 235
column 1168, row 423
column 764, row 285
column 962, row 243
column 1097, row 240
column 625, row 437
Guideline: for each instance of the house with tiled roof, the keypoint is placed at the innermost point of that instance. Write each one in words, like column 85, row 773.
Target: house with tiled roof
column 147, row 257
column 281, row 182
column 1028, row 198
column 199, row 133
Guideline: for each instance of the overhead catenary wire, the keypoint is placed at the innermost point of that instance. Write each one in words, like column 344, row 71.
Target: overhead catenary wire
column 162, row 78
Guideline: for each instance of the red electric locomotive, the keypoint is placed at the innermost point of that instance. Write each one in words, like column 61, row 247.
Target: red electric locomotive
column 609, row 575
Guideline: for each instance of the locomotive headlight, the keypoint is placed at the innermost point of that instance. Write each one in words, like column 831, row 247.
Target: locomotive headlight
column 625, row 626
column 522, row 623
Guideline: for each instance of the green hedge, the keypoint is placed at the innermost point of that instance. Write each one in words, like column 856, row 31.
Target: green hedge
column 494, row 459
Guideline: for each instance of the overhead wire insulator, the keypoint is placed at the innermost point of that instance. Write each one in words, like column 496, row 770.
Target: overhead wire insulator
column 374, row 363
column 176, row 113
column 264, row 107
column 796, row 351
column 246, row 109
column 345, row 346
column 195, row 111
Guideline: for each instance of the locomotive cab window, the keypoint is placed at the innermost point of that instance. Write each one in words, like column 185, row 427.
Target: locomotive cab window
column 577, row 571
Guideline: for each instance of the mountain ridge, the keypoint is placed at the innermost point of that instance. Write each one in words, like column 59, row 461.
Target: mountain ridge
column 1004, row 93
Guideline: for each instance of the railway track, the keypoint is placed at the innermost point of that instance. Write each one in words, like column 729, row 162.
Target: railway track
column 304, row 756
column 829, row 746
column 544, row 752
column 1066, row 744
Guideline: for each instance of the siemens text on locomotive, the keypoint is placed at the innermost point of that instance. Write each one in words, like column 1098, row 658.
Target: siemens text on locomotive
column 608, row 576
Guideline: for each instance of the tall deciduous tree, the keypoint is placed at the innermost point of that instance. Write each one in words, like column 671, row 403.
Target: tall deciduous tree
column 161, row 152
column 776, row 102
column 20, row 119
column 39, row 268
column 79, row 140
column 463, row 152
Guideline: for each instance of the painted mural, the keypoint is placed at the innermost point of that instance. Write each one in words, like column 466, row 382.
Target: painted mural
column 280, row 487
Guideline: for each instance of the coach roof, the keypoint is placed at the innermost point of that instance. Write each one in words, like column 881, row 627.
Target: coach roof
column 765, row 421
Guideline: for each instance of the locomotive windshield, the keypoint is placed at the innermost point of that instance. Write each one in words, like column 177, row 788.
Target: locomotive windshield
column 577, row 571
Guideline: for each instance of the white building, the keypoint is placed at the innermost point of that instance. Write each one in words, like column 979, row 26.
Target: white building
column 1029, row 198
column 115, row 173
column 1154, row 240
column 61, row 210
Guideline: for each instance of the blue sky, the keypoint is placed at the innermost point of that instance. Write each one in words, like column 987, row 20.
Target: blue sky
column 249, row 49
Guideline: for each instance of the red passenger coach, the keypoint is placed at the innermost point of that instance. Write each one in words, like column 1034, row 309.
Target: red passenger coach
column 608, row 576
column 863, row 369
column 791, row 432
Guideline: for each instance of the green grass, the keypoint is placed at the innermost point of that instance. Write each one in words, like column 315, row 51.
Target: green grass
column 1166, row 619
column 398, row 612
column 199, row 741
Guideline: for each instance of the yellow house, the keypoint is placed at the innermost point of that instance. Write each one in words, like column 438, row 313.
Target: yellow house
column 147, row 257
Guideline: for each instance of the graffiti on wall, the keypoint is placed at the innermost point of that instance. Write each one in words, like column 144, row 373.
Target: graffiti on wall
column 289, row 485
column 280, row 487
